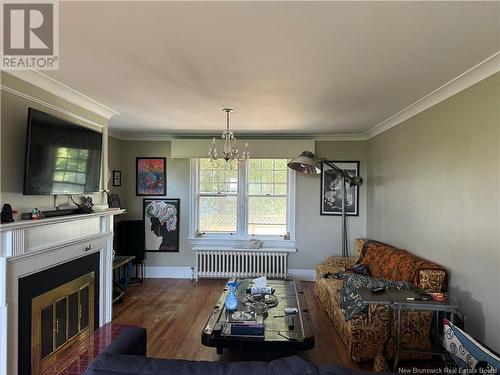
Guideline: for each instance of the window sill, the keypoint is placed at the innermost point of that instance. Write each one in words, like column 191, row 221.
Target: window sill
column 241, row 244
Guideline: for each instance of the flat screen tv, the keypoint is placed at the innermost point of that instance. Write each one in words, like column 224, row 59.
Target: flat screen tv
column 61, row 157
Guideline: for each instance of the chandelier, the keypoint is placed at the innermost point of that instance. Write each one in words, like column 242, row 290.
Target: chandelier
column 230, row 152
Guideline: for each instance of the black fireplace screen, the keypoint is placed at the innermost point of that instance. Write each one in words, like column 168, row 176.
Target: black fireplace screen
column 62, row 311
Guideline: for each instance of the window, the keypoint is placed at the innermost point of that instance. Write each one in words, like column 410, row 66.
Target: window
column 218, row 197
column 243, row 200
column 267, row 183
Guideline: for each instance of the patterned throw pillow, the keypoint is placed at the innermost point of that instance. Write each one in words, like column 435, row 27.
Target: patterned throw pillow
column 467, row 352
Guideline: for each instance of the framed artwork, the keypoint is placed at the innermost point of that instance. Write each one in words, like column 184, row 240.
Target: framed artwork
column 331, row 190
column 161, row 224
column 151, row 176
column 117, row 178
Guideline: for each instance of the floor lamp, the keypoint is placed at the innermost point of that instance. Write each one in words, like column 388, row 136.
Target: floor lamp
column 308, row 162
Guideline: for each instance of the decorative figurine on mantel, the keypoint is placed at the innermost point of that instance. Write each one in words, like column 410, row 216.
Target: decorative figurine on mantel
column 7, row 212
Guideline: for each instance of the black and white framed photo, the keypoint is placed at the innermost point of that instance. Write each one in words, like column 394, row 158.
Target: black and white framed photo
column 331, row 190
column 117, row 178
column 161, row 224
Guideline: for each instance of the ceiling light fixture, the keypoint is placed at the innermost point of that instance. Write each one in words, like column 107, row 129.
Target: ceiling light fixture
column 230, row 152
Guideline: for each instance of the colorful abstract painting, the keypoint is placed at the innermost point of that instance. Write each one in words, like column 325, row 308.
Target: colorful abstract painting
column 151, row 176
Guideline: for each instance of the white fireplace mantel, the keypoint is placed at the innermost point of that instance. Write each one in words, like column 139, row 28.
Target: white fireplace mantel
column 31, row 246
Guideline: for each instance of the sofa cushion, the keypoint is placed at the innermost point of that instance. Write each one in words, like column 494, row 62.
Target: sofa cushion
column 119, row 364
column 358, row 248
column 131, row 341
column 388, row 262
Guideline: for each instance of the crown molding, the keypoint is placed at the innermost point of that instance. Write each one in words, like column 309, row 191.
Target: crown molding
column 136, row 136
column 52, row 106
column 477, row 73
column 40, row 80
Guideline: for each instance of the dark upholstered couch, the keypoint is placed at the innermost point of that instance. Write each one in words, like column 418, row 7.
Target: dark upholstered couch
column 126, row 356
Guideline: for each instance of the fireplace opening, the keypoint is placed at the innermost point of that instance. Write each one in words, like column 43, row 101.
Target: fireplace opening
column 58, row 308
column 61, row 318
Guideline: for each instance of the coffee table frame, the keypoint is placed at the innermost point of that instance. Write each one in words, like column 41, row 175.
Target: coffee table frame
column 300, row 338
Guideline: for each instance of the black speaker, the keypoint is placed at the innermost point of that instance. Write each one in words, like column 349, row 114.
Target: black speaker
column 130, row 239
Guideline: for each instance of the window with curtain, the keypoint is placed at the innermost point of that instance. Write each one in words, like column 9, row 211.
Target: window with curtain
column 244, row 200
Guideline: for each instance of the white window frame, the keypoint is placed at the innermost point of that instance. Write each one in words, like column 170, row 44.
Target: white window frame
column 241, row 235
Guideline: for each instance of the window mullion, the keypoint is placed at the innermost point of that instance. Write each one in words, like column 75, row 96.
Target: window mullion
column 242, row 200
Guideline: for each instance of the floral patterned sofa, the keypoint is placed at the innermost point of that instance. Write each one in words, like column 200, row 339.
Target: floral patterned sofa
column 366, row 334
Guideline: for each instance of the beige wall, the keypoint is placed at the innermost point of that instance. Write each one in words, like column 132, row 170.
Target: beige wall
column 434, row 189
column 14, row 112
column 317, row 236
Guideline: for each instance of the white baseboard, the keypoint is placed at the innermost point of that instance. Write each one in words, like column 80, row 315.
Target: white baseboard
column 302, row 274
column 153, row 272
column 168, row 272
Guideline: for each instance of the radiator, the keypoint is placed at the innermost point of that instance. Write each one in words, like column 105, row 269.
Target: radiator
column 227, row 263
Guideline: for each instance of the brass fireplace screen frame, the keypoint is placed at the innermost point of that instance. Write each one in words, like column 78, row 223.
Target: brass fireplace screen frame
column 50, row 301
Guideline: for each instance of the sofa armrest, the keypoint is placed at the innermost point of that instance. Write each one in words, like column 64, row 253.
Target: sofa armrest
column 333, row 264
column 339, row 264
column 131, row 341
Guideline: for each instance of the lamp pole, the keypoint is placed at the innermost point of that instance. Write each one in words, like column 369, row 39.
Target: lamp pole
column 345, row 177
column 345, row 248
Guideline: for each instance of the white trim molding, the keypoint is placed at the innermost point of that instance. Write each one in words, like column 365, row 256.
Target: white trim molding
column 302, row 274
column 477, row 73
column 154, row 272
column 59, row 89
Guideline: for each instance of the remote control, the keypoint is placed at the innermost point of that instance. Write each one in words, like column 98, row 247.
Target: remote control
column 378, row 290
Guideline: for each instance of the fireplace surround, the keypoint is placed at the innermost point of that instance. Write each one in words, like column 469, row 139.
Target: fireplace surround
column 43, row 255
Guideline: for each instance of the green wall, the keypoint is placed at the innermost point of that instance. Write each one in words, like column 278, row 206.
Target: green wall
column 316, row 236
column 434, row 189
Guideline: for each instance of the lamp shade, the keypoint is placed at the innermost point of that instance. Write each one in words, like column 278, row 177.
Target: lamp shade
column 307, row 162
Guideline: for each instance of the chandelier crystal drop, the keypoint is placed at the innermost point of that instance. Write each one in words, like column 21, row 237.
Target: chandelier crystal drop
column 230, row 152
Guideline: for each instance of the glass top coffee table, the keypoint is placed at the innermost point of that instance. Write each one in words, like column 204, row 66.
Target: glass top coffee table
column 278, row 334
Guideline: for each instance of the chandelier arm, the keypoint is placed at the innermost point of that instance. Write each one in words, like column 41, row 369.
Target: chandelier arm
column 230, row 152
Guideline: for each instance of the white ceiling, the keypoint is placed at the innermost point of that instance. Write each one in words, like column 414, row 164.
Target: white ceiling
column 286, row 67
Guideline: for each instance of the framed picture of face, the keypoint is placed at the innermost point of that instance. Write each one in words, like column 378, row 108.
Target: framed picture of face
column 331, row 190
column 161, row 224
column 151, row 176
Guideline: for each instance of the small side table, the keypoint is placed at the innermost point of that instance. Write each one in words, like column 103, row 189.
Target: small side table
column 121, row 262
column 397, row 300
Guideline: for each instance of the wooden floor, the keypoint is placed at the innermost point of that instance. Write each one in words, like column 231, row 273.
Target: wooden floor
column 175, row 311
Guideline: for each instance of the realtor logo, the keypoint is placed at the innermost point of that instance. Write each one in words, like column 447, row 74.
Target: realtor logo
column 30, row 35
